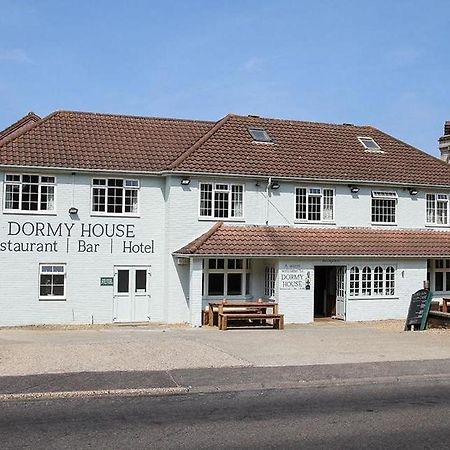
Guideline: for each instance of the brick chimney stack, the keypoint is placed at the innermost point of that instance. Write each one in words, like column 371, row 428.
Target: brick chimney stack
column 444, row 143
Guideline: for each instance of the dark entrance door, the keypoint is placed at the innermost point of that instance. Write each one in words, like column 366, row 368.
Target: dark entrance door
column 324, row 291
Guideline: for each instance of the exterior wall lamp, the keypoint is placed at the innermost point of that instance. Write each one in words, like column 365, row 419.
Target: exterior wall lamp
column 274, row 185
column 353, row 189
column 185, row 181
column 413, row 191
column 73, row 211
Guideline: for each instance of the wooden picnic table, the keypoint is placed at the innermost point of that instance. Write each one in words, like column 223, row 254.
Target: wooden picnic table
column 237, row 307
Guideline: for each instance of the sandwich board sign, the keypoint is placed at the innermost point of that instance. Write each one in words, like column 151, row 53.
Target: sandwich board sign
column 419, row 308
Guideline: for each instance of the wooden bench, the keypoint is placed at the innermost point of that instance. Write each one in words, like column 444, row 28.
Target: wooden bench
column 278, row 319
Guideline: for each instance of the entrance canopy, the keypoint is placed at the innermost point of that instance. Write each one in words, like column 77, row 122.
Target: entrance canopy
column 268, row 241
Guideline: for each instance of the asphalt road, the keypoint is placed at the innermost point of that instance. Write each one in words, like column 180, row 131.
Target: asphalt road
column 408, row 414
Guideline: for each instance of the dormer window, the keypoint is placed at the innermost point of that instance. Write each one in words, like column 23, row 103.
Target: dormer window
column 259, row 135
column 369, row 144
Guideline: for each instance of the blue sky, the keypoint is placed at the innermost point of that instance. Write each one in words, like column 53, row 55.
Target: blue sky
column 383, row 63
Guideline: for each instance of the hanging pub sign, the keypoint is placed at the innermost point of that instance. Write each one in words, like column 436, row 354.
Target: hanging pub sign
column 419, row 308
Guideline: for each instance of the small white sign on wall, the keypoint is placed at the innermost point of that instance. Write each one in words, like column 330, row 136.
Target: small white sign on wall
column 294, row 277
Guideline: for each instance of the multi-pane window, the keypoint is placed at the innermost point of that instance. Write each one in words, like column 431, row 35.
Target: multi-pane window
column 314, row 204
column 115, row 196
column 34, row 193
column 366, row 281
column 438, row 209
column 378, row 281
column 354, row 281
column 383, row 206
column 221, row 200
column 439, row 275
column 52, row 281
column 227, row 276
column 269, row 281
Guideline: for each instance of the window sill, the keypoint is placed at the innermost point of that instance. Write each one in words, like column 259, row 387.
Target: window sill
column 435, row 225
column 384, row 224
column 30, row 213
column 52, row 299
column 221, row 219
column 130, row 216
column 228, row 297
column 311, row 222
column 380, row 297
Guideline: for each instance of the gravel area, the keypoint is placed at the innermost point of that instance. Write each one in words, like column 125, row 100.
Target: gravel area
column 399, row 326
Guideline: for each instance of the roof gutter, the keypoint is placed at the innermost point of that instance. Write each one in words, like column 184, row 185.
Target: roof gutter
column 327, row 256
column 301, row 179
column 165, row 173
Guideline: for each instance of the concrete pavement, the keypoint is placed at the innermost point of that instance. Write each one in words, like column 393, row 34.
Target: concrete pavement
column 27, row 351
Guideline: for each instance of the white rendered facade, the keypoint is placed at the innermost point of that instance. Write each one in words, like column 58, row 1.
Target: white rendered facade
column 91, row 245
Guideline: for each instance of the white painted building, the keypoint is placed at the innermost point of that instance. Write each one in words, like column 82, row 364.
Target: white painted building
column 126, row 219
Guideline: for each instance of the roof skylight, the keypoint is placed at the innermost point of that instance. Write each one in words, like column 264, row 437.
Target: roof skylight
column 369, row 144
column 260, row 135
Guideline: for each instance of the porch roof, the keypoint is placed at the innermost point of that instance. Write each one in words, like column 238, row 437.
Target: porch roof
column 270, row 241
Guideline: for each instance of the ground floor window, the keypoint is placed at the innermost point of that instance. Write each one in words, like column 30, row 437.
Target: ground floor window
column 52, row 281
column 226, row 276
column 269, row 281
column 439, row 275
column 372, row 281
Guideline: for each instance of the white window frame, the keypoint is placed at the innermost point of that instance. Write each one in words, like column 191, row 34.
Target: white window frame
column 357, row 285
column 64, row 273
column 21, row 183
column 317, row 192
column 433, row 269
column 444, row 198
column 378, row 195
column 269, row 282
column 216, row 189
column 124, row 187
column 370, row 149
column 244, row 271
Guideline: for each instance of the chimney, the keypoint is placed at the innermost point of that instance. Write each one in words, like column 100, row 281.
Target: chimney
column 447, row 128
column 444, row 143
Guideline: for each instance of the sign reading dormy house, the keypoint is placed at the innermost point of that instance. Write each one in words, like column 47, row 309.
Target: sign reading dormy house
column 419, row 308
column 73, row 237
column 293, row 276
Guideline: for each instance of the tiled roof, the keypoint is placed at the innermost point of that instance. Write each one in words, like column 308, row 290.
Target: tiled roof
column 17, row 127
column 103, row 141
column 227, row 240
column 301, row 150
column 312, row 151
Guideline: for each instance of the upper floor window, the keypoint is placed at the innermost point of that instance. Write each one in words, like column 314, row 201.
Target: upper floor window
column 438, row 209
column 115, row 196
column 383, row 206
column 221, row 200
column 314, row 204
column 34, row 193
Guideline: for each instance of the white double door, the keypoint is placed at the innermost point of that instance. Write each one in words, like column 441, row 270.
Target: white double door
column 131, row 293
column 341, row 300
